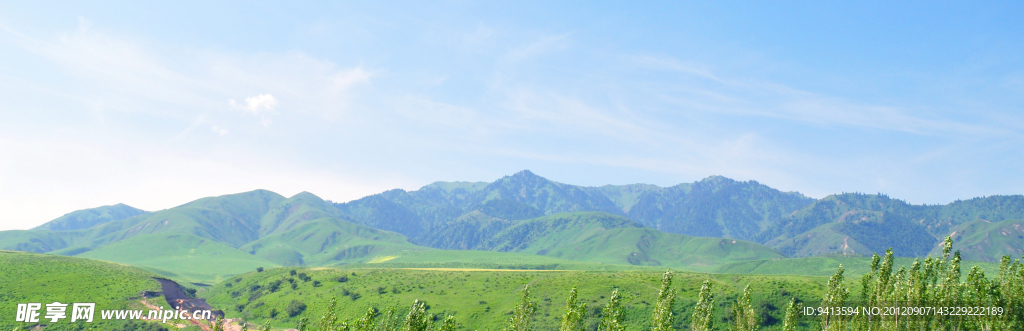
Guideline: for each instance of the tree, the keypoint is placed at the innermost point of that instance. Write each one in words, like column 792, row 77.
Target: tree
column 612, row 316
column 295, row 307
column 790, row 322
column 523, row 314
column 663, row 318
column 704, row 311
column 329, row 319
column 390, row 320
column 743, row 315
column 448, row 324
column 218, row 324
column 365, row 323
column 835, row 298
column 417, row 319
column 572, row 320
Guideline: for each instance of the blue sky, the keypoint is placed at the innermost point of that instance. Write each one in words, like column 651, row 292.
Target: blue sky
column 155, row 105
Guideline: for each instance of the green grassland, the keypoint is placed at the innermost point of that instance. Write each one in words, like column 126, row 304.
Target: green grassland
column 482, row 299
column 473, row 259
column 826, row 266
column 180, row 256
column 39, row 278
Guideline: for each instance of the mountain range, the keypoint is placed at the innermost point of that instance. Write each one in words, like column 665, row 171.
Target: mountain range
column 692, row 225
column 458, row 215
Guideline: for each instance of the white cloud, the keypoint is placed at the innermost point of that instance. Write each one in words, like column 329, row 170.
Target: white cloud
column 156, row 101
column 257, row 105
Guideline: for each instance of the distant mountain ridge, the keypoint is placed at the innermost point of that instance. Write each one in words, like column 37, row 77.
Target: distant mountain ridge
column 694, row 225
column 87, row 218
column 214, row 236
column 714, row 207
column 861, row 224
column 235, row 232
column 456, row 215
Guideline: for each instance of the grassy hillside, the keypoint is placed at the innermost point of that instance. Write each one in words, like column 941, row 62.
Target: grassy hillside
column 606, row 238
column 327, row 241
column 180, row 256
column 876, row 222
column 481, row 300
column 469, row 231
column 827, row 239
column 473, row 259
column 220, row 236
column 984, row 240
column 29, row 277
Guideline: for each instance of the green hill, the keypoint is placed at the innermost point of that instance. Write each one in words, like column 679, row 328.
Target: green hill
column 456, row 215
column 180, row 256
column 862, row 224
column 87, row 218
column 210, row 238
column 717, row 207
column 216, row 236
column 474, row 259
column 984, row 240
column 713, row 207
column 606, row 238
column 38, row 278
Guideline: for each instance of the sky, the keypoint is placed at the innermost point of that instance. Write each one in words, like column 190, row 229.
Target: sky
column 158, row 104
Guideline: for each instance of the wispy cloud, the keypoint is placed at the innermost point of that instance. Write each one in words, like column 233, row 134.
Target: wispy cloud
column 129, row 73
column 751, row 97
column 661, row 62
column 257, row 105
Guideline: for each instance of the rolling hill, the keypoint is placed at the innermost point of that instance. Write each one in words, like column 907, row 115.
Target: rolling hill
column 223, row 235
column 863, row 224
column 984, row 240
column 39, row 278
column 211, row 238
column 699, row 226
column 607, row 238
column 87, row 218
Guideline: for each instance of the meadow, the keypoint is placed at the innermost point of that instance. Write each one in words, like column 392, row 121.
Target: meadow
column 483, row 299
column 40, row 278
